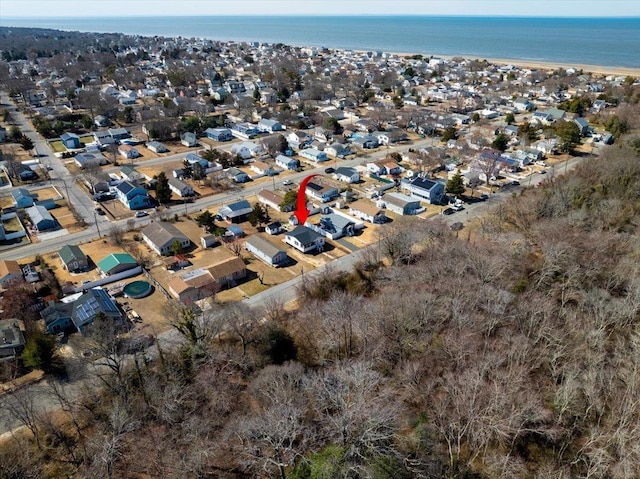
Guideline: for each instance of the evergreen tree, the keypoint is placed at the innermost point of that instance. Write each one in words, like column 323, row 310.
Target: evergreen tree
column 501, row 142
column 259, row 215
column 455, row 185
column 163, row 192
column 569, row 134
column 449, row 134
column 40, row 351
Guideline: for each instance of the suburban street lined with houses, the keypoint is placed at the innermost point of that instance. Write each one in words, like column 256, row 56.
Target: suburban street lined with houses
column 53, row 168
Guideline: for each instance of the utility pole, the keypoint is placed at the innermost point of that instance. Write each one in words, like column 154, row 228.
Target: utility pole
column 95, row 218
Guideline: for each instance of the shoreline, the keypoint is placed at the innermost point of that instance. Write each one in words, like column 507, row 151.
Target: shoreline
column 539, row 64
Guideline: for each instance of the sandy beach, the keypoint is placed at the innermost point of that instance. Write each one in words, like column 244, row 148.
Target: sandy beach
column 604, row 70
column 542, row 65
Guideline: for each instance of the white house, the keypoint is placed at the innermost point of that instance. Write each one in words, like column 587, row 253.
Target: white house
column 266, row 250
column 180, row 188
column 286, row 162
column 347, row 174
column 313, row 154
column 269, row 126
column 246, row 150
column 298, row 139
column 304, row 239
column 367, row 211
column 270, row 198
column 430, row 190
column 263, row 168
column 160, row 236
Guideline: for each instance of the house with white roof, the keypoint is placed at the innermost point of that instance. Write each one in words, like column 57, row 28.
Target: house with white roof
column 269, row 126
column 313, row 154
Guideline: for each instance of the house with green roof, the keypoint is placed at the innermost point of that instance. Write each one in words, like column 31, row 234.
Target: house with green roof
column 73, row 259
column 116, row 263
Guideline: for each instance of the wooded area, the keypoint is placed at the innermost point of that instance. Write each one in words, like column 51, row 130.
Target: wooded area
column 511, row 354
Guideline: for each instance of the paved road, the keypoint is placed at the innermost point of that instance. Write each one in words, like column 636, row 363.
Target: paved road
column 283, row 293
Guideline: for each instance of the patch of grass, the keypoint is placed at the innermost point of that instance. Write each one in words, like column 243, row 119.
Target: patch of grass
column 57, row 146
column 12, row 225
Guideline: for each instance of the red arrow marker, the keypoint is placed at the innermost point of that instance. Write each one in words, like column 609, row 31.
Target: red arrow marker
column 302, row 213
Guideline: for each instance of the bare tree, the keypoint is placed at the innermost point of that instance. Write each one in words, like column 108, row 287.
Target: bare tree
column 24, row 407
column 355, row 411
column 275, row 434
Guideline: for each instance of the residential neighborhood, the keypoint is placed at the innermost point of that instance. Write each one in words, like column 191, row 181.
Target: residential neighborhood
column 222, row 256
column 162, row 184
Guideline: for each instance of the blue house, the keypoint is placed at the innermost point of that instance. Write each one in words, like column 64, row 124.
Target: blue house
column 41, row 218
column 583, row 125
column 237, row 175
column 22, row 198
column 236, row 212
column 133, row 196
column 192, row 159
column 219, row 134
column 71, row 141
column 189, row 139
column 287, row 162
column 80, row 313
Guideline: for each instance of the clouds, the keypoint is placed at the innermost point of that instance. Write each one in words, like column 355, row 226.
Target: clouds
column 97, row 8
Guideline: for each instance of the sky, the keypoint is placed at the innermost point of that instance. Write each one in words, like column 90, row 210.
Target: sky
column 129, row 8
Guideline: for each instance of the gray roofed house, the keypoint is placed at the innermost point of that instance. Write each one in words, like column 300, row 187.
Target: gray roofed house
column 161, row 235
column 583, row 125
column 402, row 204
column 12, row 338
column 119, row 133
column 92, row 303
column 334, row 226
column 22, row 198
column 85, row 160
column 322, row 192
column 266, row 250
column 347, row 174
column 189, row 139
column 430, row 190
column 237, row 175
column 41, row 218
column 180, row 188
column 73, row 259
column 157, row 147
column 236, row 212
column 304, row 239
column 128, row 172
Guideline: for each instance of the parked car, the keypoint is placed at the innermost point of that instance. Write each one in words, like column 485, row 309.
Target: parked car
column 287, row 182
column 141, row 214
column 100, row 211
column 448, row 211
column 329, row 170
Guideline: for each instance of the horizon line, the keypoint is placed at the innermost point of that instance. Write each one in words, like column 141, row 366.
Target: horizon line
column 432, row 15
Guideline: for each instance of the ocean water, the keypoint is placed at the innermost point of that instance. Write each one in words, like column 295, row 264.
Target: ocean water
column 592, row 41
